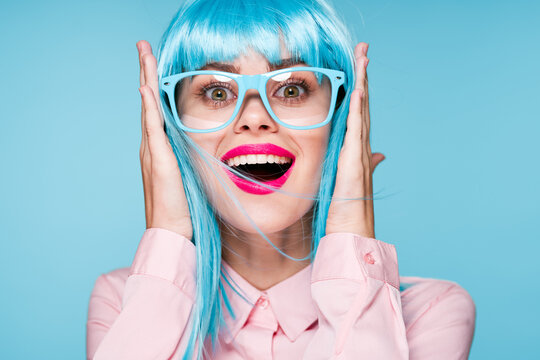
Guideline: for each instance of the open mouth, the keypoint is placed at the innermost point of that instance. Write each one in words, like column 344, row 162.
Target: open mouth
column 266, row 163
column 261, row 167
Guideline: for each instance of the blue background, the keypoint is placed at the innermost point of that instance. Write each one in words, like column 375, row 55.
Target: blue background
column 454, row 92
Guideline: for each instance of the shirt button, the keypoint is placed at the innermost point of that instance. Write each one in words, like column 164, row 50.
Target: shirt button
column 262, row 302
column 368, row 258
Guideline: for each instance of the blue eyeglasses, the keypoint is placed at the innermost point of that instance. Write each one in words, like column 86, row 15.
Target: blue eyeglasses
column 203, row 101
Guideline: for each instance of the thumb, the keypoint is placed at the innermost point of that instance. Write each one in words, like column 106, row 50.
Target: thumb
column 376, row 158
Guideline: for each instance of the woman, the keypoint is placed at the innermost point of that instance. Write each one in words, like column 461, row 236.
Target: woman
column 260, row 236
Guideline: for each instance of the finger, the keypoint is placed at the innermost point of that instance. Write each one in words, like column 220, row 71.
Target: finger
column 150, row 72
column 366, row 148
column 360, row 68
column 365, row 145
column 141, row 69
column 361, row 83
column 143, row 47
column 147, row 186
column 366, row 101
column 360, row 53
column 151, row 77
column 377, row 158
column 361, row 63
column 144, row 139
column 145, row 167
column 361, row 49
column 157, row 139
column 354, row 120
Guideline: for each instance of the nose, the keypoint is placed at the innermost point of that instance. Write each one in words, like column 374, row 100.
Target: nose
column 253, row 116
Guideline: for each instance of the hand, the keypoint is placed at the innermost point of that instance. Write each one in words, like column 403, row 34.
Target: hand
column 164, row 197
column 356, row 163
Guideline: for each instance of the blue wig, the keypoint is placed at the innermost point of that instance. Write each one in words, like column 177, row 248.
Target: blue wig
column 205, row 31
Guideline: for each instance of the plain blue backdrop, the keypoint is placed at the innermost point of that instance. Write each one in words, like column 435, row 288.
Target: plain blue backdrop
column 454, row 90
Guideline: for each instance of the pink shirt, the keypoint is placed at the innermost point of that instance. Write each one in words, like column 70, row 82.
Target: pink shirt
column 346, row 305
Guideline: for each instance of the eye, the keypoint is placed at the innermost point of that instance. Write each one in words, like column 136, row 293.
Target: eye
column 217, row 94
column 290, row 91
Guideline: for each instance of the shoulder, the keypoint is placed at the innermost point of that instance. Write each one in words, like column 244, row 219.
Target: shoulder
column 429, row 303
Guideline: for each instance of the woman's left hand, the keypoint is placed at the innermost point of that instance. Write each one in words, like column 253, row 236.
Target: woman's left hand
column 356, row 163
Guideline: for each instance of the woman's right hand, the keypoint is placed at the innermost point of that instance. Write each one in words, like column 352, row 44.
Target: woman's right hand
column 165, row 201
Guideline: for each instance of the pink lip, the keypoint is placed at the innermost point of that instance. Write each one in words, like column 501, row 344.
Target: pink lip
column 258, row 149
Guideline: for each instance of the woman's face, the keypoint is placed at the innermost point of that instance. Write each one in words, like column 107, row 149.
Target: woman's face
column 272, row 211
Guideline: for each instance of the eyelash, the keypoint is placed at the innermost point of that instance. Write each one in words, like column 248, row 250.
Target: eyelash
column 302, row 83
column 212, row 85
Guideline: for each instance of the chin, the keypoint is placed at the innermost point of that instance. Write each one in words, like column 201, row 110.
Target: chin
column 268, row 225
column 270, row 217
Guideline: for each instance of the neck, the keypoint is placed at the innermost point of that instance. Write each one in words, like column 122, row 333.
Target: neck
column 251, row 256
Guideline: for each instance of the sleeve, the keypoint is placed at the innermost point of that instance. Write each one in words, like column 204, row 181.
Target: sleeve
column 149, row 319
column 355, row 287
column 443, row 323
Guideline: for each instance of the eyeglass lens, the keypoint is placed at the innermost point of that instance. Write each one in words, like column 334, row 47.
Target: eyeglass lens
column 298, row 98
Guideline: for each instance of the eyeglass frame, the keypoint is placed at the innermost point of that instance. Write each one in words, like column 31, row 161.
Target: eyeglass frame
column 247, row 82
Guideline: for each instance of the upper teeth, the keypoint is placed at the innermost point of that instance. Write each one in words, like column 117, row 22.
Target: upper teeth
column 258, row 159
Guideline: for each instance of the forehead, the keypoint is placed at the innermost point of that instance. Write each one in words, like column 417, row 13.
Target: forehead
column 254, row 60
column 245, row 64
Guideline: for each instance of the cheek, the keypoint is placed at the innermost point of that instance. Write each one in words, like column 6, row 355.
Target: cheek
column 318, row 139
column 321, row 147
column 207, row 144
column 209, row 170
column 314, row 146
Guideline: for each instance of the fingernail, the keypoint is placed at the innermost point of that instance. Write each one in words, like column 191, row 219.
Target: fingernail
column 366, row 49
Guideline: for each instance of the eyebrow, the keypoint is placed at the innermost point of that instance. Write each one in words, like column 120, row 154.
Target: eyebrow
column 234, row 69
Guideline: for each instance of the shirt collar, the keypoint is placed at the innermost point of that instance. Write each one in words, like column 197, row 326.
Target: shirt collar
column 290, row 300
